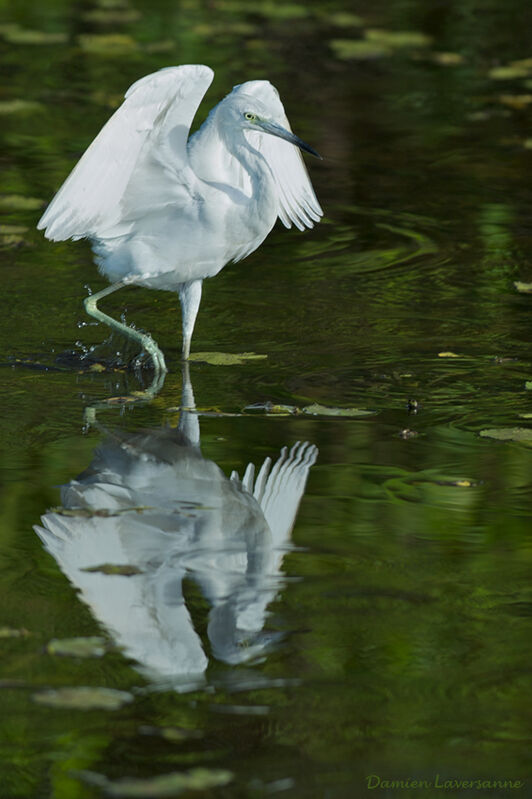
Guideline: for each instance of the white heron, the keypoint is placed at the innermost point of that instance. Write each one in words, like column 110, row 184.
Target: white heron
column 164, row 210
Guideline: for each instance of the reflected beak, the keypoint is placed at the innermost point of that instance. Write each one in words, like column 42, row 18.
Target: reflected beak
column 282, row 133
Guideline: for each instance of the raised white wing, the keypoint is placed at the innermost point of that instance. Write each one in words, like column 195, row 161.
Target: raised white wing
column 297, row 202
column 153, row 122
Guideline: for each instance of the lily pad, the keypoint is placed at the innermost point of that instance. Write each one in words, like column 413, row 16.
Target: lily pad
column 163, row 46
column 83, row 698
column 446, row 59
column 172, row 784
column 274, row 409
column 522, row 434
column 323, row 410
column 343, row 19
column 89, row 647
column 16, row 202
column 226, row 358
column 516, row 101
column 11, row 632
column 108, row 44
column 522, row 63
column 525, row 288
column 359, row 49
column 508, row 72
column 19, row 106
column 112, row 16
column 275, row 10
column 174, row 734
column 17, row 35
column 399, row 39
column 11, row 230
column 124, row 570
column 12, row 235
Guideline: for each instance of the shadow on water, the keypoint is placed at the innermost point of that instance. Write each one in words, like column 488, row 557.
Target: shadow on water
column 150, row 513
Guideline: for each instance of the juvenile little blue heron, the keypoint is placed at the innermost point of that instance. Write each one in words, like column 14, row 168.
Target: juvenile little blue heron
column 166, row 211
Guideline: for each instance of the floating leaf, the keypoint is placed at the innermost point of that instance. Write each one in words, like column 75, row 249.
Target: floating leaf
column 522, row 434
column 108, row 44
column 11, row 632
column 172, row 784
column 174, row 734
column 19, row 107
column 516, row 101
column 276, row 10
column 225, row 358
column 398, row 39
column 89, row 647
column 124, row 570
column 447, row 59
column 164, row 46
column 11, row 240
column 113, row 16
column 508, row 72
column 525, row 288
column 359, row 49
column 8, row 230
column 83, row 698
column 523, row 63
column 218, row 28
column 15, row 202
column 273, row 409
column 343, row 19
column 17, row 35
column 323, row 410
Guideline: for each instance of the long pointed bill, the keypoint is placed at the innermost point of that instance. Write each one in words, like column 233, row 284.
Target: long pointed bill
column 282, row 133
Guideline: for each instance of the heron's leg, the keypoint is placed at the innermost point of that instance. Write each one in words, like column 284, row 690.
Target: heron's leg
column 144, row 339
column 190, row 296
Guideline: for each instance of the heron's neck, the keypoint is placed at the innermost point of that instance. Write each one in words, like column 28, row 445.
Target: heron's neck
column 217, row 158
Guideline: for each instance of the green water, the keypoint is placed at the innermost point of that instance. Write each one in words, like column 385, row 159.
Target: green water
column 397, row 638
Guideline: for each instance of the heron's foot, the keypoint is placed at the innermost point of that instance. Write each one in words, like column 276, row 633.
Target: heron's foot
column 154, row 352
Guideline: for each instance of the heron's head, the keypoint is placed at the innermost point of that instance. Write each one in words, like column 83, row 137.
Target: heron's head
column 256, row 106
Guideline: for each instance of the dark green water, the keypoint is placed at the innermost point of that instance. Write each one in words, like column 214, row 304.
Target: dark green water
column 396, row 641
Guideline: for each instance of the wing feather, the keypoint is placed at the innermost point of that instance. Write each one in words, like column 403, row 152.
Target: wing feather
column 298, row 203
column 158, row 110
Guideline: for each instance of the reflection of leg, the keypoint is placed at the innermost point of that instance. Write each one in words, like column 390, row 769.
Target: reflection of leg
column 144, row 339
column 190, row 296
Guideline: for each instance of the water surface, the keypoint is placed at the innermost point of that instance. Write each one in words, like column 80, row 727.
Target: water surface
column 391, row 635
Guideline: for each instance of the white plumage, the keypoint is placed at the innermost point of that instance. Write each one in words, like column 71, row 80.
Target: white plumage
column 167, row 211
column 151, row 501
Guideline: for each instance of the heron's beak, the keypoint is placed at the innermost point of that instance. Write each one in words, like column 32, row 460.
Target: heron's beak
column 282, row 133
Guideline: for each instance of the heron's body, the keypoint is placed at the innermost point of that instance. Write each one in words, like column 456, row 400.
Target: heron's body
column 166, row 211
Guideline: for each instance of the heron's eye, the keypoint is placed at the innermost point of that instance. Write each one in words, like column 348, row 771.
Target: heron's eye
column 250, row 117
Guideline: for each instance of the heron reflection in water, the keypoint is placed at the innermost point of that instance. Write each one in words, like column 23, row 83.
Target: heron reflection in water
column 152, row 503
column 166, row 211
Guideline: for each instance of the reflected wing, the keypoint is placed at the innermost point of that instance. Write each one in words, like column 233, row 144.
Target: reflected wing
column 154, row 119
column 278, row 489
column 297, row 202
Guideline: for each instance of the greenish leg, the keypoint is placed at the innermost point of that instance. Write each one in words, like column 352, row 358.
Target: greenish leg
column 144, row 339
